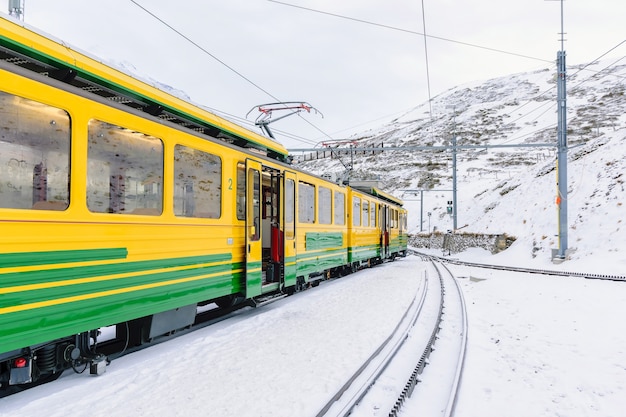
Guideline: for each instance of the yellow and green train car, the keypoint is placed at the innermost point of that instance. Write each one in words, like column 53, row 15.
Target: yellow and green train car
column 121, row 205
column 377, row 228
column 321, row 230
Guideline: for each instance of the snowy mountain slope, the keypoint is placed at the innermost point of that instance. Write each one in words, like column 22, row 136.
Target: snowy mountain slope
column 517, row 184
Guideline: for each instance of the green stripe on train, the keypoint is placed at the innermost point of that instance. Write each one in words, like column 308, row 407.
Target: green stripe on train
column 29, row 327
column 316, row 241
column 361, row 253
column 104, row 283
column 310, row 263
column 9, row 260
column 50, row 275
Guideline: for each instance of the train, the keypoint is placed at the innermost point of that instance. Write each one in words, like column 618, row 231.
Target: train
column 124, row 207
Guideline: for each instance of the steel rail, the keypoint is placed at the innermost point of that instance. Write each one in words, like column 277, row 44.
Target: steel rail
column 445, row 306
column 357, row 386
column 587, row 275
column 462, row 351
column 421, row 364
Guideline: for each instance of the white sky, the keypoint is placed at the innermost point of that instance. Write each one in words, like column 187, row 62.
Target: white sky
column 358, row 75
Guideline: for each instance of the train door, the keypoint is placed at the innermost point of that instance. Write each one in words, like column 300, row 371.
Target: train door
column 254, row 243
column 273, row 236
column 384, row 231
column 289, row 228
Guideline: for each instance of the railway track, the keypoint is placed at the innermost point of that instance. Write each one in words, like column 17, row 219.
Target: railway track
column 519, row 269
column 395, row 377
column 432, row 321
column 444, row 332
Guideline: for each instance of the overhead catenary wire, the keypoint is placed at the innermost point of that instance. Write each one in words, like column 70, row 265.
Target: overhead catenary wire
column 230, row 68
column 473, row 45
column 430, row 101
column 188, row 39
column 247, row 79
column 250, row 81
column 425, row 35
column 543, row 93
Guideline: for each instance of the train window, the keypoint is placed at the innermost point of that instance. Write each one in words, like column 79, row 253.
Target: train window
column 241, row 191
column 306, row 203
column 373, row 214
column 35, row 157
column 340, row 208
column 366, row 214
column 356, row 211
column 124, row 171
column 290, row 209
column 197, row 183
column 324, row 205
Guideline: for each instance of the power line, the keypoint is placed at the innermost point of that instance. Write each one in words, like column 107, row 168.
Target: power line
column 584, row 68
column 444, row 39
column 430, row 104
column 203, row 49
column 188, row 39
column 412, row 32
column 295, row 137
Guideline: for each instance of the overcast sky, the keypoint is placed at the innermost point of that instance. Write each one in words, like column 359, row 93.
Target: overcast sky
column 358, row 75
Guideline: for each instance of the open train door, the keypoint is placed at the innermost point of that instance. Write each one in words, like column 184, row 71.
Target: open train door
column 290, row 183
column 384, row 230
column 254, row 242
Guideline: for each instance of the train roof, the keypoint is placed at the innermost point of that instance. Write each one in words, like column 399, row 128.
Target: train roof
column 387, row 197
column 27, row 48
column 368, row 189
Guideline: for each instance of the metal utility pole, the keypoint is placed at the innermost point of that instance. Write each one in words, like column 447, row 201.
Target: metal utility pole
column 561, row 198
column 454, row 200
column 16, row 9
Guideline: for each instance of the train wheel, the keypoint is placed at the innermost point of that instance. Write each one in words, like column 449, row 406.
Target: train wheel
column 229, row 301
column 300, row 284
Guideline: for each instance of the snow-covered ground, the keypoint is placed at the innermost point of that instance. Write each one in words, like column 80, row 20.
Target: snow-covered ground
column 538, row 346
column 542, row 345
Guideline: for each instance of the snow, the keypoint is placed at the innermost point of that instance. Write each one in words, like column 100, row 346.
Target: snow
column 537, row 346
column 283, row 359
column 543, row 346
column 513, row 191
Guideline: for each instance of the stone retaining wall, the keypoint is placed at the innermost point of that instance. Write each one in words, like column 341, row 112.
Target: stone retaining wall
column 458, row 242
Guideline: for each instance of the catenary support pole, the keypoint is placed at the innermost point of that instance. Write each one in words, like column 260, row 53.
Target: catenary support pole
column 561, row 198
